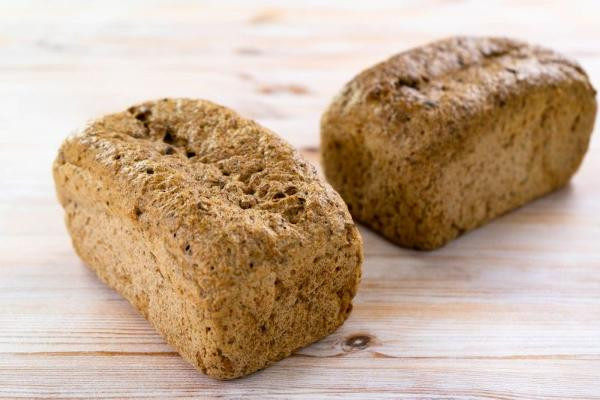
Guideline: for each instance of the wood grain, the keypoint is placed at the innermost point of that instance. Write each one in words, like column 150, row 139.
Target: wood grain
column 509, row 311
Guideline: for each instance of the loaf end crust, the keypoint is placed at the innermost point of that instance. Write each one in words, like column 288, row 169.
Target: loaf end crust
column 214, row 228
column 440, row 139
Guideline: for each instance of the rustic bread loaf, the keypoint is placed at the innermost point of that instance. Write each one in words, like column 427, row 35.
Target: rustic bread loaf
column 440, row 139
column 214, row 228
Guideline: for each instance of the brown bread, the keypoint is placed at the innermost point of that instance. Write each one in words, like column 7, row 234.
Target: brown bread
column 214, row 228
column 440, row 139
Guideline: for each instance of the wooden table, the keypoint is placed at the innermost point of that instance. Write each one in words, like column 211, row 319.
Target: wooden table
column 510, row 311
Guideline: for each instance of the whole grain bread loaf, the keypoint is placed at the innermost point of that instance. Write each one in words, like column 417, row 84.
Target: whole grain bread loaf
column 440, row 139
column 214, row 228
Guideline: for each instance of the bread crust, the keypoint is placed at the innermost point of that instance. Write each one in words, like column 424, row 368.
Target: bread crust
column 214, row 228
column 440, row 139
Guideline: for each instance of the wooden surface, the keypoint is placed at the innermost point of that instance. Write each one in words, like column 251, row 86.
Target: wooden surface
column 510, row 311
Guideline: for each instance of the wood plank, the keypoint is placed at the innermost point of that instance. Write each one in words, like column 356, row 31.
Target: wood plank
column 509, row 311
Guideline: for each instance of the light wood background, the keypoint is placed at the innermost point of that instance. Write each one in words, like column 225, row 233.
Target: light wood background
column 510, row 311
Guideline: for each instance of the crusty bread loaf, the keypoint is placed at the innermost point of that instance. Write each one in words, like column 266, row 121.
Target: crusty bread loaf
column 440, row 139
column 214, row 228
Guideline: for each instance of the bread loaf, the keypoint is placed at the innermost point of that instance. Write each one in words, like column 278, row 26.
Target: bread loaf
column 214, row 228
column 440, row 139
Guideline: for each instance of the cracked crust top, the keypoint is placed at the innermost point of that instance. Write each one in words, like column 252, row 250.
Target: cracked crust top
column 449, row 82
column 203, row 164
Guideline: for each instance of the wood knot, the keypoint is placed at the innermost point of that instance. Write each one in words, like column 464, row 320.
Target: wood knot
column 356, row 342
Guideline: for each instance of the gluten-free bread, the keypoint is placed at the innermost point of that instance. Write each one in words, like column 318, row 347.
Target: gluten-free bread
column 440, row 139
column 214, row 228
